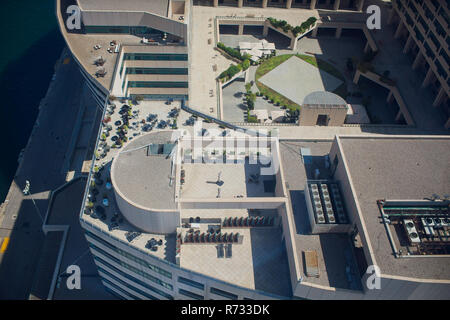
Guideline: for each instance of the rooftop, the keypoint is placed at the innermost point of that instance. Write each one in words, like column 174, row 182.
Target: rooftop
column 142, row 178
column 334, row 251
column 259, row 262
column 325, row 98
column 159, row 7
column 401, row 168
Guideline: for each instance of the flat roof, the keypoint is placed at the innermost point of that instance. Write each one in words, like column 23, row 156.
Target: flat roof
column 331, row 249
column 143, row 179
column 400, row 168
column 258, row 263
column 325, row 98
column 159, row 7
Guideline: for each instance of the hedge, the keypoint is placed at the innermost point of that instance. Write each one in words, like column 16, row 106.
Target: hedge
column 282, row 24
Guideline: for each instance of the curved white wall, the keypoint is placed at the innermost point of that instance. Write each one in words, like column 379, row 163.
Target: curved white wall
column 152, row 221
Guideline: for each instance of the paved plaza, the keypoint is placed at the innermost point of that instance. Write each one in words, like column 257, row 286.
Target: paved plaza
column 295, row 79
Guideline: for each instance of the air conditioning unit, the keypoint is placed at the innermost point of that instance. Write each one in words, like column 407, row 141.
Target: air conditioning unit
column 411, row 231
column 429, row 230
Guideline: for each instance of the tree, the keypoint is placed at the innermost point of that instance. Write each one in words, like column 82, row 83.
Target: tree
column 245, row 64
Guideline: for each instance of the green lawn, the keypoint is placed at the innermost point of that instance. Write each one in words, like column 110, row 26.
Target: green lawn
column 272, row 63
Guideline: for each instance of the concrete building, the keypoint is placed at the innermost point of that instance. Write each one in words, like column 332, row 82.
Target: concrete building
column 170, row 216
column 239, row 217
column 424, row 28
column 125, row 41
column 323, row 108
column 288, row 4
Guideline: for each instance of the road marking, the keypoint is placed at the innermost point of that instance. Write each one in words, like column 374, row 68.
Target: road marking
column 4, row 244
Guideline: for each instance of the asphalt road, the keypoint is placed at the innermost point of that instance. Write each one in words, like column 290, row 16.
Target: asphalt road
column 41, row 165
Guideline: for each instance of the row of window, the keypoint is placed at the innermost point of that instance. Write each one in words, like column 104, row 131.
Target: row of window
column 130, row 256
column 183, row 280
column 145, row 294
column 137, row 30
column 156, row 56
column 157, row 84
column 117, row 288
column 133, row 269
column 224, row 294
column 191, row 294
column 191, row 283
column 133, row 279
column 156, row 71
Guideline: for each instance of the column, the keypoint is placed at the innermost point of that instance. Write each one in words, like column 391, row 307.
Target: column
column 240, row 3
column 367, row 47
column 356, row 77
column 216, row 3
column 417, row 61
column 337, row 3
column 314, row 32
column 313, row 4
column 408, row 44
column 439, row 97
column 338, row 32
column 447, row 124
column 264, row 3
column 288, row 4
column 241, row 29
column 293, row 43
column 266, row 28
column 360, row 5
column 398, row 116
column 390, row 97
column 399, row 30
column 428, row 78
column 391, row 16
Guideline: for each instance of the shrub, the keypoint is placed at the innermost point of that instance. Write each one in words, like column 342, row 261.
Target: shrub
column 245, row 64
column 232, row 52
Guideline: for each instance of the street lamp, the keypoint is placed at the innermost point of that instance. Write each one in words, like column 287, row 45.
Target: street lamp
column 26, row 191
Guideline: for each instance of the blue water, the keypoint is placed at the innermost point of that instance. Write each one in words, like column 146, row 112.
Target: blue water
column 30, row 45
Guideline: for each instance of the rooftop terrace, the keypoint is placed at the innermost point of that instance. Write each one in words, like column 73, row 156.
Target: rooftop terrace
column 334, row 251
column 401, row 168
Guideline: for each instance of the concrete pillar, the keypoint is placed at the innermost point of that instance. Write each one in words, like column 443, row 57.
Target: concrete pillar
column 215, row 3
column 338, row 32
column 367, row 47
column 264, row 3
column 356, row 77
column 288, row 4
column 293, row 43
column 399, row 30
column 314, row 32
column 337, row 3
column 408, row 44
column 391, row 17
column 428, row 78
column 390, row 97
column 266, row 29
column 398, row 116
column 360, row 5
column 447, row 124
column 240, row 3
column 439, row 98
column 241, row 29
column 417, row 60
column 312, row 6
